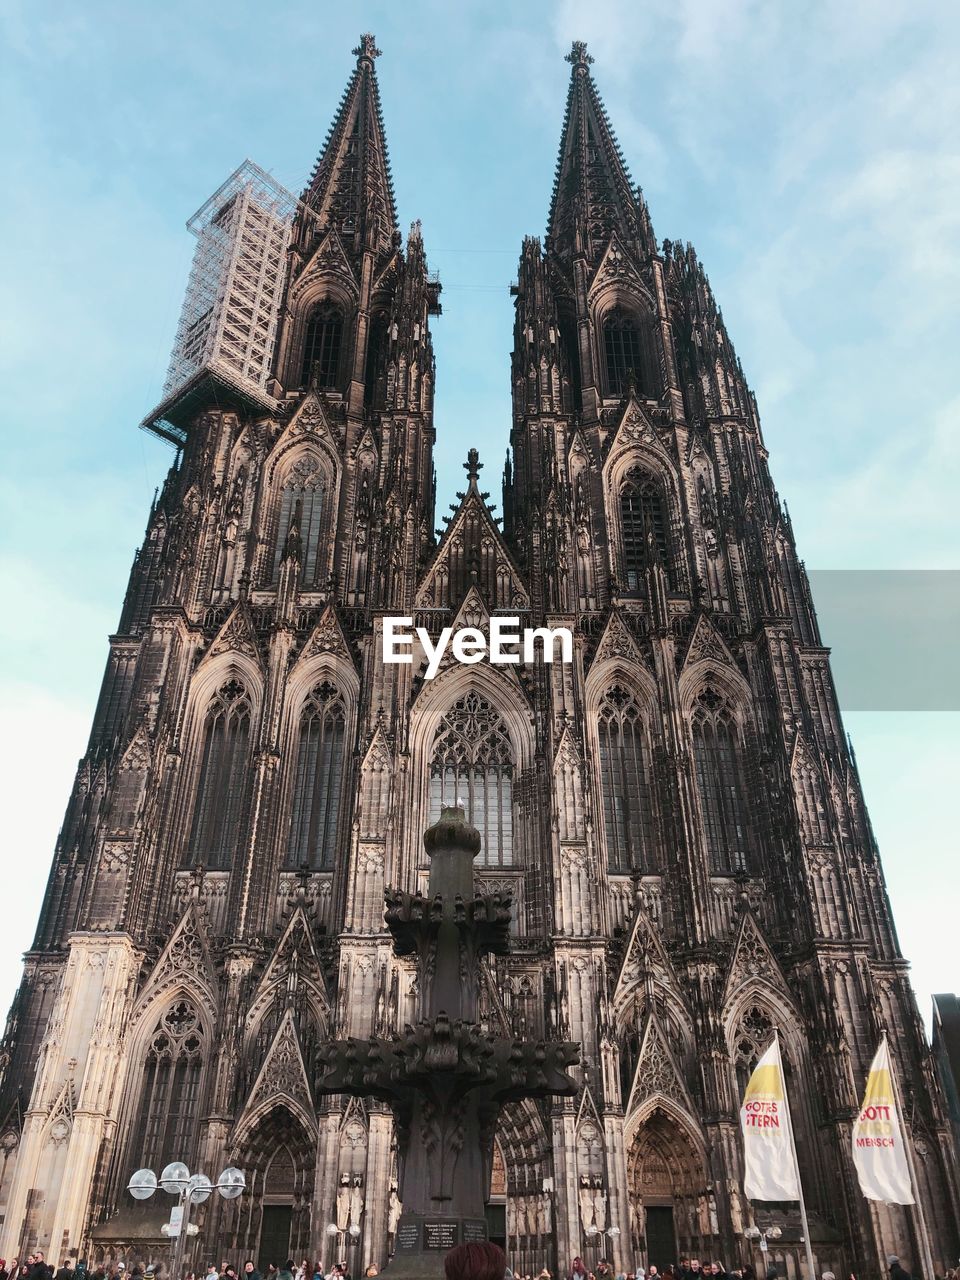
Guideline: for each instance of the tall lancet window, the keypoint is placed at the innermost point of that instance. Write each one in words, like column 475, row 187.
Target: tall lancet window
column 303, row 485
column 625, row 783
column 720, row 784
column 318, row 783
column 321, row 346
column 642, row 510
column 223, row 776
column 623, row 351
column 169, row 1111
column 472, row 765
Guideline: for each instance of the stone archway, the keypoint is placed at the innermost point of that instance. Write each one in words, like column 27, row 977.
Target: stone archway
column 671, row 1213
column 278, row 1156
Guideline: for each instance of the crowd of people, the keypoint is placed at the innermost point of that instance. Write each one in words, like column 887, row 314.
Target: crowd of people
column 481, row 1261
column 489, row 1262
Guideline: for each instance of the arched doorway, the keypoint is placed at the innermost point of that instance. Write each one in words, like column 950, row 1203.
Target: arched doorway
column 670, row 1208
column 273, row 1220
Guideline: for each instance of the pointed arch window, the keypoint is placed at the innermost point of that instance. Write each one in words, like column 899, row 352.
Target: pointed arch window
column 321, row 346
column 642, row 510
column 223, row 774
column 374, row 382
column 300, row 499
column 318, row 782
column 720, row 784
column 625, row 783
column 169, row 1109
column 622, row 350
column 472, row 765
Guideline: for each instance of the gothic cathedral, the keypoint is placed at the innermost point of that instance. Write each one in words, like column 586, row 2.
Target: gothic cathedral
column 676, row 813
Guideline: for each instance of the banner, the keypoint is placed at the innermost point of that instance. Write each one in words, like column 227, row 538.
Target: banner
column 771, row 1166
column 879, row 1153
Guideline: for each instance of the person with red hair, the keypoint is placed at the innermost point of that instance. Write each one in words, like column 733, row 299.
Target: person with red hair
column 480, row 1261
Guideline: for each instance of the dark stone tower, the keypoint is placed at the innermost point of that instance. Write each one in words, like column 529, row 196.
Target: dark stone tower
column 676, row 814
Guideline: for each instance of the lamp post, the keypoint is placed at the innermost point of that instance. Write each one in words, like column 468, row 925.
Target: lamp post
column 177, row 1180
column 596, row 1233
column 760, row 1238
column 352, row 1232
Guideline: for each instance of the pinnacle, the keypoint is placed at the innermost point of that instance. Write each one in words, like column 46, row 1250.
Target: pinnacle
column 367, row 49
column 578, row 55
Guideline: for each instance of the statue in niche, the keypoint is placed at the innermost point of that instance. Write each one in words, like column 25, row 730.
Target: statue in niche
column 394, row 1210
column 343, row 1202
column 356, row 1199
column 599, row 1203
column 585, row 1197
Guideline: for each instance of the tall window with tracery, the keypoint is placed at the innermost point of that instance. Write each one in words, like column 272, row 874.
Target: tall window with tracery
column 223, row 775
column 472, row 765
column 642, row 512
column 720, row 784
column 321, row 346
column 169, row 1111
column 302, row 498
column 623, row 350
column 318, row 783
column 625, row 783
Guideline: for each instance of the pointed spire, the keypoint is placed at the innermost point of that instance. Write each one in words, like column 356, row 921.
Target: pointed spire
column 351, row 187
column 593, row 195
column 473, row 466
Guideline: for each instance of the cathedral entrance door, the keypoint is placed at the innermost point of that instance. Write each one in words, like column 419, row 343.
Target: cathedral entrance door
column 275, row 1236
column 666, row 1173
column 661, row 1237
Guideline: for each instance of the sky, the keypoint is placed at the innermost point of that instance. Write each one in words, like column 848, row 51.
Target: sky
column 808, row 151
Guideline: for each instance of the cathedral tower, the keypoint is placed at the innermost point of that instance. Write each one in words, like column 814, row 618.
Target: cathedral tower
column 677, row 813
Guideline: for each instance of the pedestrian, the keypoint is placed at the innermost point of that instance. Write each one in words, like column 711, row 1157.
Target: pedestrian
column 371, row 1271
column 897, row 1271
column 480, row 1261
column 344, row 1270
column 66, row 1270
column 577, row 1271
column 250, row 1271
column 286, row 1271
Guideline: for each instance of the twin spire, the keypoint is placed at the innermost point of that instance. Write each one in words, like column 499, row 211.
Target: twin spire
column 351, row 187
column 593, row 195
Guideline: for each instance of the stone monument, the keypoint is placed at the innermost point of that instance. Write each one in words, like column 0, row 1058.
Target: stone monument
column 445, row 1078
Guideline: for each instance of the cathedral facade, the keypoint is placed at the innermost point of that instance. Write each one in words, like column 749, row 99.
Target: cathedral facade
column 677, row 812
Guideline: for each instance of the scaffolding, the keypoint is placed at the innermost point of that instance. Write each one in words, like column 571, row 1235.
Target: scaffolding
column 228, row 324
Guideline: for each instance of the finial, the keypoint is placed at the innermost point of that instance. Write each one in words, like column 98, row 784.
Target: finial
column 578, row 56
column 473, row 466
column 367, row 48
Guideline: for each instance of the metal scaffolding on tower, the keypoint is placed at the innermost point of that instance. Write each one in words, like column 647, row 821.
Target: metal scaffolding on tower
column 228, row 324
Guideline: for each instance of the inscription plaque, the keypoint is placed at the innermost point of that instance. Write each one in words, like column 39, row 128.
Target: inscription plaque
column 408, row 1237
column 439, row 1236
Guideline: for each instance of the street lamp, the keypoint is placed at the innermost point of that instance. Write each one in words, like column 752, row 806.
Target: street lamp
column 353, row 1231
column 593, row 1230
column 755, row 1235
column 177, row 1180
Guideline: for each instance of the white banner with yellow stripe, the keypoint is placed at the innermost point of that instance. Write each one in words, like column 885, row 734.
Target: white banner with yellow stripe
column 879, row 1153
column 770, row 1162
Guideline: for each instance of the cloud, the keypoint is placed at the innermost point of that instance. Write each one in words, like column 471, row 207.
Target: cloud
column 43, row 737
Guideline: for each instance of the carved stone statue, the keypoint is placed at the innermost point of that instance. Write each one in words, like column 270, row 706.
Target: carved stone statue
column 599, row 1203
column 394, row 1210
column 585, row 1196
column 356, row 1199
column 343, row 1202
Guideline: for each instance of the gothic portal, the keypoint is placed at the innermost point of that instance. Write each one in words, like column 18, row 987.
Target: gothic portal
column 677, row 814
